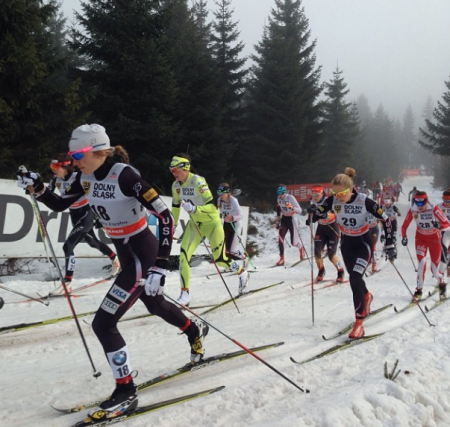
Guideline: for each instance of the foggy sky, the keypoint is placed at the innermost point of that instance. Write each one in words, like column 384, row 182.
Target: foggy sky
column 395, row 52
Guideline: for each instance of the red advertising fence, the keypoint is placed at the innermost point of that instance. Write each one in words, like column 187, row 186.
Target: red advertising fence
column 302, row 192
column 410, row 172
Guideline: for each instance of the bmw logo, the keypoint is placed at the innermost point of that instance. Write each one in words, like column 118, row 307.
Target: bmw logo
column 119, row 358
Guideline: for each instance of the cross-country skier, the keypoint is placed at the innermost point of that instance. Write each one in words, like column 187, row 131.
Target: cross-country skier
column 119, row 196
column 429, row 220
column 287, row 208
column 411, row 195
column 231, row 214
column 351, row 209
column 327, row 234
column 191, row 193
column 445, row 241
column 82, row 218
column 392, row 212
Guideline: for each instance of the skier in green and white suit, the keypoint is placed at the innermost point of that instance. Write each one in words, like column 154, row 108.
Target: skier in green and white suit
column 191, row 192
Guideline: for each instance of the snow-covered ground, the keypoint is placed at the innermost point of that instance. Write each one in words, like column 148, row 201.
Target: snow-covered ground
column 48, row 365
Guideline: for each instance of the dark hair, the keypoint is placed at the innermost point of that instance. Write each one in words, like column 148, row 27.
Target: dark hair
column 64, row 157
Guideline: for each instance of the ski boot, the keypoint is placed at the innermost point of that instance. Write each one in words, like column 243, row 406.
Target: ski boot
column 302, row 253
column 197, row 350
column 358, row 330
column 320, row 275
column 243, row 281
column 123, row 399
column 368, row 298
column 417, row 294
column 340, row 276
column 280, row 262
column 184, row 297
column 442, row 291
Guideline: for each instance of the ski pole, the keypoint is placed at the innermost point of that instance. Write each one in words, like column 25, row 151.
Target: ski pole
column 414, row 299
column 72, row 309
column 312, row 267
column 301, row 241
column 246, row 349
column 412, row 260
column 214, row 261
column 44, row 236
column 23, row 295
column 243, row 247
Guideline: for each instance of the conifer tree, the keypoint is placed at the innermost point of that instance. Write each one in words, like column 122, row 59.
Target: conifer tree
column 380, row 138
column 341, row 128
column 408, row 144
column 131, row 82
column 436, row 137
column 39, row 102
column 283, row 114
column 198, row 112
column 227, row 53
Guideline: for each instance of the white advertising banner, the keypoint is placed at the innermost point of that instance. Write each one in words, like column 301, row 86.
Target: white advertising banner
column 19, row 234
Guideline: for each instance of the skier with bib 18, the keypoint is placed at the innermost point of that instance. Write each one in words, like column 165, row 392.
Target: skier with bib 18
column 287, row 208
column 119, row 197
column 191, row 193
column 351, row 209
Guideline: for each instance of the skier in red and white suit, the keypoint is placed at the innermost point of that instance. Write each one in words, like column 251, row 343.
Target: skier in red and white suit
column 430, row 221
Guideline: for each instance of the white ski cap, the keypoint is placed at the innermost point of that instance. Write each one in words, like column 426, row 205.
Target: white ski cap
column 89, row 136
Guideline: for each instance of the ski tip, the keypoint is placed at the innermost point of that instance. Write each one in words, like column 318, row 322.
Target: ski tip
column 395, row 309
column 293, row 360
column 324, row 338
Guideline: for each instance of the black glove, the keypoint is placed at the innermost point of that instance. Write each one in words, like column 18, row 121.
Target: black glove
column 97, row 223
column 405, row 241
column 311, row 209
column 382, row 238
column 436, row 224
column 278, row 225
column 27, row 178
column 391, row 252
column 308, row 222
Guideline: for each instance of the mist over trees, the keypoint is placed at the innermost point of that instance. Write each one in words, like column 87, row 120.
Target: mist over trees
column 168, row 76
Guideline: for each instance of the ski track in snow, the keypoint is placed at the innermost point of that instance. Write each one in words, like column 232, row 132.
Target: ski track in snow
column 48, row 365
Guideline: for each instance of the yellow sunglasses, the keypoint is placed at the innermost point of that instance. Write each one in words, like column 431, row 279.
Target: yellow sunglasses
column 340, row 193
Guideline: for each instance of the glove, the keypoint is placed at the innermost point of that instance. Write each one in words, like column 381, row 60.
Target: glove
column 288, row 205
column 436, row 224
column 27, row 178
column 97, row 223
column 308, row 222
column 311, row 209
column 405, row 241
column 228, row 218
column 189, row 207
column 154, row 284
column 391, row 252
column 278, row 225
column 382, row 238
